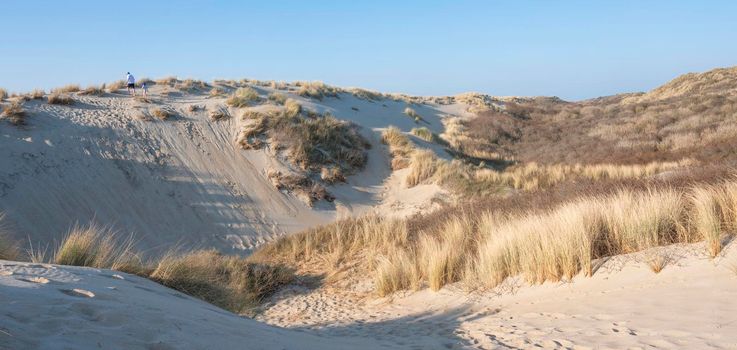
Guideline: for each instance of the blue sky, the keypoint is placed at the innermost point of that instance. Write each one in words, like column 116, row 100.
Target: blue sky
column 571, row 49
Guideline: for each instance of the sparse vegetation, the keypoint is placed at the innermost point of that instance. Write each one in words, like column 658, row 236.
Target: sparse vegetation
column 657, row 262
column 218, row 114
column 8, row 248
column 366, row 94
column 413, row 114
column 37, row 94
column 216, row 92
column 300, row 185
column 162, row 113
column 316, row 89
column 116, row 85
column 190, row 85
column 3, row 94
column 243, row 97
column 95, row 246
column 277, row 98
column 232, row 283
column 424, row 133
column 67, row 89
column 15, row 113
column 167, row 81
column 57, row 98
column 293, row 108
column 93, row 90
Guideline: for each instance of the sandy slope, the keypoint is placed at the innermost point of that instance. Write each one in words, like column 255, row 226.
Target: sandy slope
column 178, row 182
column 61, row 307
column 689, row 305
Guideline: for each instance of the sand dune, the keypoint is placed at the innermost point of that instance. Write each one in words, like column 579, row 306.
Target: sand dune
column 180, row 182
column 61, row 307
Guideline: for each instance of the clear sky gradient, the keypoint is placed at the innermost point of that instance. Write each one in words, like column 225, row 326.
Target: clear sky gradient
column 570, row 49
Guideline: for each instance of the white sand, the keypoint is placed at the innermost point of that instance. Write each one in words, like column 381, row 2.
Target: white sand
column 181, row 182
column 691, row 304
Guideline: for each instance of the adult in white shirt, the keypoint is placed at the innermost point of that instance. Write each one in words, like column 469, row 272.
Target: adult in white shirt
column 131, row 83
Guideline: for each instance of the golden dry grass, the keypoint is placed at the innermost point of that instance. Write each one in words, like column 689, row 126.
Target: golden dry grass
column 14, row 113
column 400, row 147
column 277, row 98
column 8, row 248
column 316, row 89
column 220, row 113
column 58, row 98
column 242, row 97
column 93, row 90
column 162, row 113
column 292, row 108
column 116, row 85
column 232, row 283
column 413, row 114
column 37, row 94
column 424, row 133
column 95, row 246
column 67, row 89
column 483, row 250
column 3, row 94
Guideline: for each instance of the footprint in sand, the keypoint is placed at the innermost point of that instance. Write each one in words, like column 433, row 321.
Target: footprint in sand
column 76, row 292
column 41, row 280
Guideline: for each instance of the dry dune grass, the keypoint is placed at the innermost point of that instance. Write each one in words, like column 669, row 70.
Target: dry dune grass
column 300, row 185
column 482, row 250
column 243, row 97
column 413, row 114
column 162, row 113
column 58, row 98
column 191, row 85
column 67, row 89
column 277, row 98
column 309, row 143
column 37, row 94
column 327, row 248
column 8, row 248
column 96, row 246
column 167, row 81
column 218, row 114
column 232, row 283
column 14, row 113
column 235, row 283
column 93, row 90
column 400, row 147
column 367, row 94
column 316, row 89
column 116, row 85
column 424, row 133
column 3, row 94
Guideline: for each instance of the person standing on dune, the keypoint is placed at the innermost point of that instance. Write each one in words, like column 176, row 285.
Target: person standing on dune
column 131, row 83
